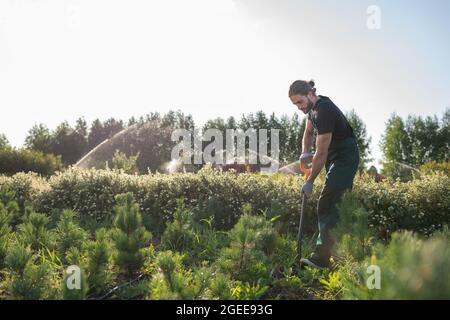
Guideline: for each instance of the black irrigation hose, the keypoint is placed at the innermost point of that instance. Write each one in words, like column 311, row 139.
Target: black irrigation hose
column 118, row 287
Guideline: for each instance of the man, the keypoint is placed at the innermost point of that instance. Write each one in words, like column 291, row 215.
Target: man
column 336, row 150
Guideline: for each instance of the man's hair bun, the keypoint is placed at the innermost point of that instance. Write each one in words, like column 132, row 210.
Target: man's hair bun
column 302, row 87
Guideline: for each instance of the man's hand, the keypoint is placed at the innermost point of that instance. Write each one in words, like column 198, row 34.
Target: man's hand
column 307, row 188
column 306, row 157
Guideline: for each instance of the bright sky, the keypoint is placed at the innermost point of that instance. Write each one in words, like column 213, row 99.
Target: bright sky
column 63, row 59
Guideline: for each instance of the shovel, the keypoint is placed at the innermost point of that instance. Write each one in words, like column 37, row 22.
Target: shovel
column 307, row 173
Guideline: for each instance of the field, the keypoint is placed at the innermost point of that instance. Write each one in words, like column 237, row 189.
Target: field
column 217, row 235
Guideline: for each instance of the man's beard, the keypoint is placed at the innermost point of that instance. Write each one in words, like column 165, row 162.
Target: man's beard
column 309, row 107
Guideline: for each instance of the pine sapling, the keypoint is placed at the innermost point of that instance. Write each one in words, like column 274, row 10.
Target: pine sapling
column 33, row 231
column 68, row 233
column 353, row 235
column 179, row 234
column 99, row 255
column 27, row 279
column 129, row 236
column 253, row 239
column 173, row 281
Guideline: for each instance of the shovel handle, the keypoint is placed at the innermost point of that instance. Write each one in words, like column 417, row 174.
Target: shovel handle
column 306, row 172
column 300, row 225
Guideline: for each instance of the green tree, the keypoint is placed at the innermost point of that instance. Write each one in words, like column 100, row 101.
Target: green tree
column 3, row 141
column 99, row 256
column 396, row 149
column 68, row 233
column 179, row 234
column 291, row 137
column 63, row 145
column 177, row 119
column 444, row 134
column 173, row 281
column 409, row 144
column 34, row 231
column 131, row 121
column 129, row 236
column 100, row 131
column 353, row 235
column 70, row 143
column 411, row 269
column 28, row 280
column 231, row 123
column 424, row 140
column 360, row 131
column 152, row 116
column 253, row 240
column 80, row 136
column 290, row 134
column 120, row 161
column 112, row 126
column 40, row 138
column 96, row 134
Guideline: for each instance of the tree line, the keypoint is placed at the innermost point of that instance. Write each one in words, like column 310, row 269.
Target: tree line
column 406, row 143
column 410, row 143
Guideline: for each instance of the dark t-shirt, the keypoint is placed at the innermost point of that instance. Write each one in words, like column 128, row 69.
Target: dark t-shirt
column 326, row 117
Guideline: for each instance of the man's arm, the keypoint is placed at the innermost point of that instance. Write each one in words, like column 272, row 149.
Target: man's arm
column 307, row 137
column 322, row 143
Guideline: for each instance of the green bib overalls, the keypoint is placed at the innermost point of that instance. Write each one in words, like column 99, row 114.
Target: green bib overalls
column 342, row 165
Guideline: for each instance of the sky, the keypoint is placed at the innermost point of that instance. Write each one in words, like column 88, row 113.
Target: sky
column 65, row 59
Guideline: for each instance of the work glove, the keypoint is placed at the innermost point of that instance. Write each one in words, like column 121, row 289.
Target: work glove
column 307, row 188
column 306, row 157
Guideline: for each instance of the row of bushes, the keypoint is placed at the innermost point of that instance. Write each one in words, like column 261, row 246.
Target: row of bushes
column 420, row 205
column 23, row 160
